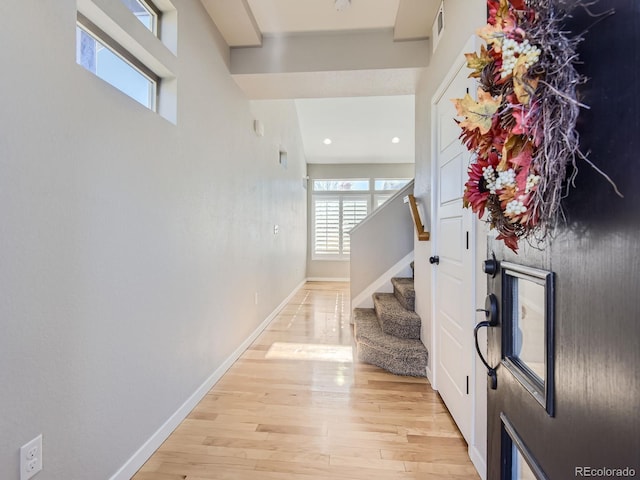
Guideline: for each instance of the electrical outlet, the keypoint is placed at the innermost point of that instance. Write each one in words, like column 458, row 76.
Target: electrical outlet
column 255, row 298
column 276, row 229
column 31, row 458
column 32, row 453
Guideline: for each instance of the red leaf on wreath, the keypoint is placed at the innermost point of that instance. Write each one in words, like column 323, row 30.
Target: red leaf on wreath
column 476, row 192
column 510, row 241
column 520, row 115
column 522, row 159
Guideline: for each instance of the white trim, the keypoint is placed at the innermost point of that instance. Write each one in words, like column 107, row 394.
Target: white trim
column 456, row 66
column 478, row 461
column 377, row 284
column 328, row 279
column 147, row 449
column 429, row 374
column 474, row 453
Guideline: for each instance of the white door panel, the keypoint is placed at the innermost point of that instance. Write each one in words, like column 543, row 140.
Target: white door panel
column 448, row 288
column 449, row 131
column 451, row 229
column 451, row 367
column 450, row 174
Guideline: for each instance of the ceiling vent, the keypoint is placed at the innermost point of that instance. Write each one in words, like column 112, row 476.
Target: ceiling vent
column 437, row 30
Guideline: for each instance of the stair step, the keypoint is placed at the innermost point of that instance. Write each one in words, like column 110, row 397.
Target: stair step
column 404, row 292
column 401, row 356
column 394, row 318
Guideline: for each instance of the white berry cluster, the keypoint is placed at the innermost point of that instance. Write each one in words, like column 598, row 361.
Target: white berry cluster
column 515, row 207
column 512, row 50
column 532, row 181
column 496, row 181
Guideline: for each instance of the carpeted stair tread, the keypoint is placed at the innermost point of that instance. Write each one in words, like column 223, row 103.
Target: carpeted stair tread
column 394, row 318
column 401, row 356
column 404, row 292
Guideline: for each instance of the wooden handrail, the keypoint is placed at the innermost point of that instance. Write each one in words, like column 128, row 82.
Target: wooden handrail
column 422, row 235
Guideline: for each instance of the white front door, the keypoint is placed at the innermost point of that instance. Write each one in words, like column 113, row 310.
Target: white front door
column 453, row 244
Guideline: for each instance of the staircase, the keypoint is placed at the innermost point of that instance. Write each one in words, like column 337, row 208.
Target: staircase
column 388, row 335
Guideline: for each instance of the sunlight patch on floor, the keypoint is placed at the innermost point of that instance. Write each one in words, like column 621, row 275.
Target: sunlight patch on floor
column 310, row 351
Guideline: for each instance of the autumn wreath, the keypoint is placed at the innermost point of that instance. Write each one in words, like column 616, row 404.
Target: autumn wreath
column 521, row 126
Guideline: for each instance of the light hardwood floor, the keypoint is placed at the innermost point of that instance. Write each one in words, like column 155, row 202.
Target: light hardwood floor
column 296, row 406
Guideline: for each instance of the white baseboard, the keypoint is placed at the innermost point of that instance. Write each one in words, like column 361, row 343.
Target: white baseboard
column 478, row 462
column 136, row 461
column 361, row 299
column 328, row 279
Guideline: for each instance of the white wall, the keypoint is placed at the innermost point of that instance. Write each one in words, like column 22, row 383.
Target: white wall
column 379, row 242
column 462, row 18
column 131, row 247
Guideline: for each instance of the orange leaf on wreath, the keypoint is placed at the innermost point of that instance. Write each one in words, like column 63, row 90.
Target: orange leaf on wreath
column 523, row 87
column 477, row 115
column 511, row 147
column 493, row 35
column 477, row 62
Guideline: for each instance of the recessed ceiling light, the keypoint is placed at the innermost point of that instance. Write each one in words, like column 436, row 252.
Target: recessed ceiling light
column 395, row 140
column 327, row 141
column 342, row 4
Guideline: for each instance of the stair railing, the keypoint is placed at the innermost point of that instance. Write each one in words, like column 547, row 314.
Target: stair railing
column 415, row 213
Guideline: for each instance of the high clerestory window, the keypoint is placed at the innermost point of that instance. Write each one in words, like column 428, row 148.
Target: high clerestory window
column 146, row 12
column 113, row 49
column 105, row 58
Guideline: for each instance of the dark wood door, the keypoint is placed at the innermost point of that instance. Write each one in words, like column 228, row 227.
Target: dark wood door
column 584, row 419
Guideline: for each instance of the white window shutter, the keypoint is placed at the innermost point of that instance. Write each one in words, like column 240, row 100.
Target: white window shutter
column 354, row 210
column 327, row 226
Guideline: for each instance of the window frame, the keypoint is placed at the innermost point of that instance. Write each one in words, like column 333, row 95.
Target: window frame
column 86, row 25
column 512, row 444
column 391, row 191
column 343, row 180
column 155, row 13
column 542, row 389
column 372, row 196
column 379, row 199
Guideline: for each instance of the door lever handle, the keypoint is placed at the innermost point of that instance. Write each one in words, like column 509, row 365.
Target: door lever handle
column 491, row 313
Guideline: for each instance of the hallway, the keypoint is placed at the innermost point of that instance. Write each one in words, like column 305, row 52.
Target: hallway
column 295, row 406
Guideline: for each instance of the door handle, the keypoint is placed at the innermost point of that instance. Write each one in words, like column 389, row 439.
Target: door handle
column 434, row 260
column 491, row 313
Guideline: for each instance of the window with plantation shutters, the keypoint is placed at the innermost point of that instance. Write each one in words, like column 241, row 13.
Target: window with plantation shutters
column 354, row 209
column 338, row 205
column 334, row 217
column 326, row 226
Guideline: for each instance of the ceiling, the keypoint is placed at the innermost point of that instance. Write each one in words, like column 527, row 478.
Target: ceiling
column 351, row 72
column 361, row 129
